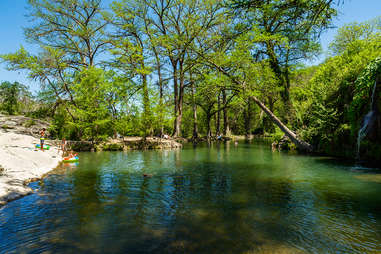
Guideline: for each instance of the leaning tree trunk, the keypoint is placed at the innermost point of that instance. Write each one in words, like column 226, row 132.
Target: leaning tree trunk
column 302, row 145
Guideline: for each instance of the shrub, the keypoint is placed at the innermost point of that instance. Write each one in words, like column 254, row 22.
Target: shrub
column 29, row 123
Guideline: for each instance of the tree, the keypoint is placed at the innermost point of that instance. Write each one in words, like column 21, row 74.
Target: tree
column 248, row 76
column 334, row 97
column 131, row 49
column 299, row 23
column 10, row 96
column 76, row 27
column 178, row 24
column 207, row 97
column 350, row 34
column 70, row 34
column 91, row 92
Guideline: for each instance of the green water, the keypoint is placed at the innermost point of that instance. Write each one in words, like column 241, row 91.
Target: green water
column 219, row 199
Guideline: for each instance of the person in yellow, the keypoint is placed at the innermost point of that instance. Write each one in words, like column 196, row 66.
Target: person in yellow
column 42, row 138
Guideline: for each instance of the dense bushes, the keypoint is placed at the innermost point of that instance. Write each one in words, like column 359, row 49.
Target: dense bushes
column 337, row 95
column 14, row 97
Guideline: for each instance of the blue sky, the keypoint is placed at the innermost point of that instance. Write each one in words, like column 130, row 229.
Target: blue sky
column 12, row 20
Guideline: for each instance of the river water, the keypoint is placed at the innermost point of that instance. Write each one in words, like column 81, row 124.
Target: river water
column 218, row 199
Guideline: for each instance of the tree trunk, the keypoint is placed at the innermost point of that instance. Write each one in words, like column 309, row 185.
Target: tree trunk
column 282, row 82
column 302, row 145
column 218, row 115
column 175, row 93
column 248, row 119
column 146, row 107
column 180, row 99
column 267, row 122
column 226, row 120
column 208, row 130
column 289, row 108
column 161, row 110
column 195, row 127
column 161, row 106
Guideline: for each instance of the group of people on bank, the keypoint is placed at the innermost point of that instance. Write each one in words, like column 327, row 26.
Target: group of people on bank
column 63, row 145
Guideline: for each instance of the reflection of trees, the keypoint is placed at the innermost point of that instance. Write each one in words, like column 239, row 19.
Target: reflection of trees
column 141, row 215
column 85, row 194
column 211, row 201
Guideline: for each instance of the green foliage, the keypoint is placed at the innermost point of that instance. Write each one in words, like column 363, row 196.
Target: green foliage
column 363, row 90
column 61, row 126
column 322, row 121
column 93, row 119
column 112, row 147
column 29, row 123
column 277, row 136
column 129, row 125
column 12, row 96
column 349, row 35
column 336, row 95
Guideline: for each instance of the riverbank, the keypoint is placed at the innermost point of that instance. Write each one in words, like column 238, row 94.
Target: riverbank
column 120, row 144
column 21, row 163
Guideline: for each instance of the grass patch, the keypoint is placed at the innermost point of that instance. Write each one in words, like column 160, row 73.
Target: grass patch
column 29, row 123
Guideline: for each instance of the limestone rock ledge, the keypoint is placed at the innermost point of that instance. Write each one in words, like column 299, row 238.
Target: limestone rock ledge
column 20, row 162
column 22, row 125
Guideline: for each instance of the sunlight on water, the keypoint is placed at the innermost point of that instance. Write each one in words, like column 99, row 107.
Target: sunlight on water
column 222, row 199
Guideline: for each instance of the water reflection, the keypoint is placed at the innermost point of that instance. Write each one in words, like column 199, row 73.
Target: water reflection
column 220, row 199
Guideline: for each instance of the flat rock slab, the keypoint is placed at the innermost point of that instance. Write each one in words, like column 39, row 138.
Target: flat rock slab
column 20, row 161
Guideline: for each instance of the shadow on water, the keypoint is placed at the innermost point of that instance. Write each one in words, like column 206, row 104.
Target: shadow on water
column 218, row 199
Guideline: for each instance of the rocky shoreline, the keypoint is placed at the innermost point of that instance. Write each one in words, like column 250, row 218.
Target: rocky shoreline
column 121, row 144
column 21, row 162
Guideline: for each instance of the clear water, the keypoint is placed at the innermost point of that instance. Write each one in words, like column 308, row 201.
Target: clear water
column 223, row 199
